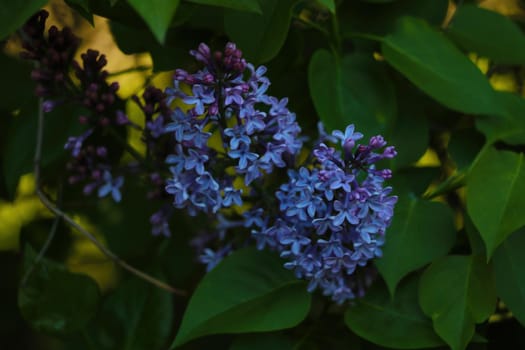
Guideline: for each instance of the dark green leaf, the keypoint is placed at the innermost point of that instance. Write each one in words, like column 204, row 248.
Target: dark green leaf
column 241, row 5
column 260, row 37
column 508, row 127
column 82, row 7
column 263, row 341
column 496, row 184
column 55, row 300
column 136, row 316
column 463, row 147
column 380, row 19
column 354, row 91
column 157, row 14
column 395, row 323
column 409, row 131
column 421, row 231
column 13, row 14
column 256, row 295
column 173, row 54
column 430, row 61
column 508, row 270
column 329, row 4
column 457, row 292
column 413, row 181
column 488, row 33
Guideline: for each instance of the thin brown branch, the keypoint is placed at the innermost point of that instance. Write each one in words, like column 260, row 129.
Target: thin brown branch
column 60, row 214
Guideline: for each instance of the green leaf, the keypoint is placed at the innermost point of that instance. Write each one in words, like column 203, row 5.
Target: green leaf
column 157, row 14
column 354, row 91
column 263, row 341
column 260, row 37
column 329, row 4
column 488, row 33
column 409, row 131
column 464, row 146
column 136, row 316
column 508, row 127
column 13, row 14
column 249, row 291
column 395, row 323
column 421, row 231
column 430, row 61
column 496, row 184
column 82, row 7
column 508, row 270
column 358, row 17
column 55, row 300
column 413, row 181
column 241, row 5
column 457, row 292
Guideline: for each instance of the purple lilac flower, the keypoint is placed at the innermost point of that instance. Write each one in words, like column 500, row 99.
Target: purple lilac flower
column 111, row 186
column 257, row 132
column 334, row 215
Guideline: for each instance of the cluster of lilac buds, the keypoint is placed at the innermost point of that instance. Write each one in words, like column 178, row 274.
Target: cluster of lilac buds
column 334, row 214
column 54, row 55
column 92, row 151
column 232, row 130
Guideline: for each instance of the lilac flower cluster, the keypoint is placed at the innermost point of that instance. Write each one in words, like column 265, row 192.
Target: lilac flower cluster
column 233, row 130
column 334, row 214
column 331, row 214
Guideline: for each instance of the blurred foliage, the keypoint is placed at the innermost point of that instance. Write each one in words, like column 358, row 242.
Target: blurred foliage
column 442, row 80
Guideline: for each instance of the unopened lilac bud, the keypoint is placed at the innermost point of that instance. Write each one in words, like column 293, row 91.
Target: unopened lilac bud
column 48, row 106
column 390, row 152
column 102, row 151
column 121, row 118
column 96, row 174
column 377, row 141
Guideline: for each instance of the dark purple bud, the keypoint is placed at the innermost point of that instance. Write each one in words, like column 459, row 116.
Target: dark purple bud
column 104, row 121
column 122, row 119
column 102, row 151
column 48, row 106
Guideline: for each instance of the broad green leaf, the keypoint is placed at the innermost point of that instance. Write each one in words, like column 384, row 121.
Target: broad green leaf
column 82, row 7
column 329, row 4
column 421, row 231
column 248, row 292
column 395, row 323
column 457, row 292
column 409, row 131
column 488, row 33
column 359, row 17
column 260, row 36
column 262, row 341
column 55, row 300
column 13, row 14
column 136, row 316
column 508, row 271
column 430, row 61
column 508, row 127
column 241, row 5
column 157, row 14
column 496, row 184
column 464, row 145
column 353, row 91
column 413, row 181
